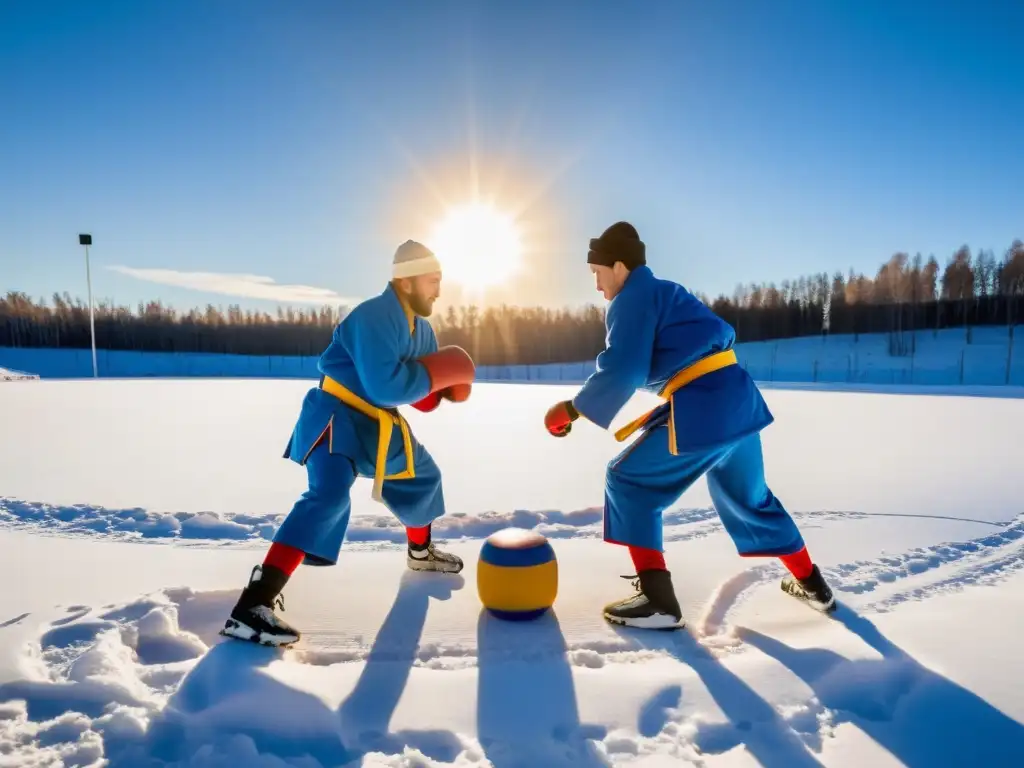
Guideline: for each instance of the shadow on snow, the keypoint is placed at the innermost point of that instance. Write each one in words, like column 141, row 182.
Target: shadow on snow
column 919, row 716
column 231, row 704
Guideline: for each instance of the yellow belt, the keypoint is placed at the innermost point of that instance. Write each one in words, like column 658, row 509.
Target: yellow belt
column 693, row 371
column 387, row 421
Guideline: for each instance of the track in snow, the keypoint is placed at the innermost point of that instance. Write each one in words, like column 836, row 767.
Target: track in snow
column 92, row 676
column 343, row 616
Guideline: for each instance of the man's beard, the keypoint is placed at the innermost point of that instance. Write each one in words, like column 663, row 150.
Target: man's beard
column 420, row 305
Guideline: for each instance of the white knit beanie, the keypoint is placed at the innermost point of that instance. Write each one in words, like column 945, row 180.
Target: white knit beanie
column 413, row 259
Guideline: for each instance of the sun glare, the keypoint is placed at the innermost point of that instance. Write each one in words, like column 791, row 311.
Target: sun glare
column 477, row 245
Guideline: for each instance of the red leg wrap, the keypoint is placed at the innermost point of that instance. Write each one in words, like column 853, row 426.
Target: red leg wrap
column 286, row 558
column 418, row 536
column 647, row 559
column 799, row 563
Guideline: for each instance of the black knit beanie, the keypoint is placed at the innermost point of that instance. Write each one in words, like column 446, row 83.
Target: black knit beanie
column 620, row 242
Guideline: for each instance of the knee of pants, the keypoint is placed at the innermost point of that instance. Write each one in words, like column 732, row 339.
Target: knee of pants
column 618, row 489
column 330, row 478
column 423, row 489
column 428, row 475
column 617, row 473
column 611, row 477
column 749, row 492
column 647, row 468
column 739, row 477
column 625, row 494
column 316, row 524
column 329, row 488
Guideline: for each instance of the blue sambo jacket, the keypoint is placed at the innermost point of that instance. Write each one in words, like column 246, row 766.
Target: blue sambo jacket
column 373, row 353
column 655, row 328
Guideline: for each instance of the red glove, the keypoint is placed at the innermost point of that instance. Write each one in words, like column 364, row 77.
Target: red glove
column 560, row 417
column 428, row 403
column 448, row 367
column 457, row 393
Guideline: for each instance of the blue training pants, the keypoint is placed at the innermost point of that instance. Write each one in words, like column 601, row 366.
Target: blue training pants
column 645, row 479
column 319, row 519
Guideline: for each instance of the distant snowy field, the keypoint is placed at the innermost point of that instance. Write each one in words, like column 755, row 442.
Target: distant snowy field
column 132, row 511
column 6, row 374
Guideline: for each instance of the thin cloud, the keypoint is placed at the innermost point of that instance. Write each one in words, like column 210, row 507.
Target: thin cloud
column 250, row 286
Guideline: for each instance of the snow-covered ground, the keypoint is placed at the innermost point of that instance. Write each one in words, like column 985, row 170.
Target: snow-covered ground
column 6, row 374
column 132, row 511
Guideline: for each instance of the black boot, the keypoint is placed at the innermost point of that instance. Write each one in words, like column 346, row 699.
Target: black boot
column 653, row 607
column 253, row 616
column 813, row 590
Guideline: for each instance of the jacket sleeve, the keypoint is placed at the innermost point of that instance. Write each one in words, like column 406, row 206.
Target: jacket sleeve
column 374, row 343
column 625, row 363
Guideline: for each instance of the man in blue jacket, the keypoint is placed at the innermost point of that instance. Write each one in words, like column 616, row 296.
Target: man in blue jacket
column 382, row 355
column 662, row 339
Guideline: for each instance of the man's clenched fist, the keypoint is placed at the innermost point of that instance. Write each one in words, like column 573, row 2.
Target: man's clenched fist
column 560, row 417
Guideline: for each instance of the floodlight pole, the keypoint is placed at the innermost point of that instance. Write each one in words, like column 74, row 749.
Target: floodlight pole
column 86, row 240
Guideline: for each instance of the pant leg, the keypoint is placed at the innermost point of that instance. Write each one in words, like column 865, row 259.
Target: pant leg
column 642, row 482
column 419, row 500
column 757, row 522
column 319, row 519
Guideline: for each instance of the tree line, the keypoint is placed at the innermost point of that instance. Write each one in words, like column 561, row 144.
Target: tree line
column 905, row 294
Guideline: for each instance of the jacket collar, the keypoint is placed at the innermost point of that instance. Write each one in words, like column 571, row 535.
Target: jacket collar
column 410, row 316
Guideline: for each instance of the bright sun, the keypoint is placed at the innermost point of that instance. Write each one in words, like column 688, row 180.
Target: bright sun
column 477, row 245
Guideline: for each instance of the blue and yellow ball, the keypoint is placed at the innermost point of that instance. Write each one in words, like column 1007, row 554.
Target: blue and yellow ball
column 517, row 574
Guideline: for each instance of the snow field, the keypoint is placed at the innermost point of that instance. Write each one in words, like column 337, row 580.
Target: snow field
column 150, row 449
column 127, row 538
column 7, row 374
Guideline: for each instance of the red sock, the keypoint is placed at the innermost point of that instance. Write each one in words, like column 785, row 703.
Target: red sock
column 286, row 558
column 647, row 559
column 418, row 536
column 799, row 563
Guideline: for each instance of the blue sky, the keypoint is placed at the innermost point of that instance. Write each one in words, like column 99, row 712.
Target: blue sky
column 301, row 142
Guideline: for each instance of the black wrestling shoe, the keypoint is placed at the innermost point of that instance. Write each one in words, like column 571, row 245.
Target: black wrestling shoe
column 813, row 590
column 653, row 607
column 253, row 616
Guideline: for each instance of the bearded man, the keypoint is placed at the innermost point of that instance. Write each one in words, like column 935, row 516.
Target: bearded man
column 382, row 355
